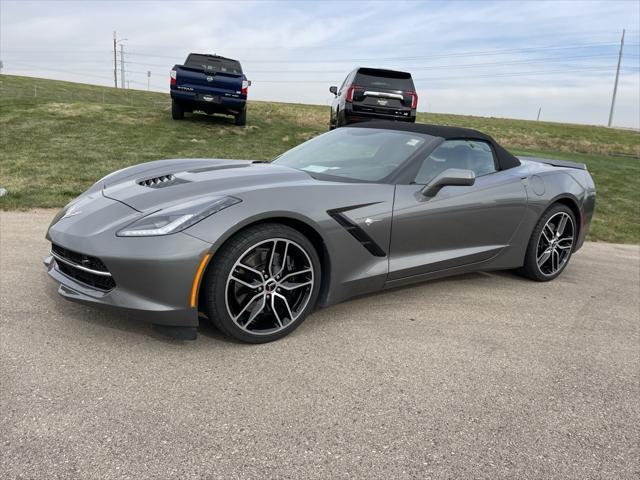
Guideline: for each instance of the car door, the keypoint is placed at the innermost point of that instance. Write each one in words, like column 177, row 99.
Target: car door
column 335, row 104
column 460, row 225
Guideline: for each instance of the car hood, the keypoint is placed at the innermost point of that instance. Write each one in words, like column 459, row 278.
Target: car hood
column 152, row 186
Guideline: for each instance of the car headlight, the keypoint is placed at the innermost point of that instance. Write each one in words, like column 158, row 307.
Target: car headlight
column 176, row 218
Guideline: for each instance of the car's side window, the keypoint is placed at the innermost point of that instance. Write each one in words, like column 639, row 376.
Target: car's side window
column 474, row 155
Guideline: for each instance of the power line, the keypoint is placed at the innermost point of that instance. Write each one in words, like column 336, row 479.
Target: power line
column 448, row 55
column 582, row 68
column 454, row 66
column 414, row 68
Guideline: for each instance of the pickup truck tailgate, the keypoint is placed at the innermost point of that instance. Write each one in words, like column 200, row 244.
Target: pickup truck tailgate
column 208, row 82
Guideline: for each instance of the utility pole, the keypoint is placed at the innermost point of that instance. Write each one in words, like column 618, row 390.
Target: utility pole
column 115, row 62
column 122, row 65
column 148, row 79
column 615, row 85
column 539, row 112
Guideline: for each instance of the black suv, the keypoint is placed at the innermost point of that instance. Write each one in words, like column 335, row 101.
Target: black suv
column 369, row 93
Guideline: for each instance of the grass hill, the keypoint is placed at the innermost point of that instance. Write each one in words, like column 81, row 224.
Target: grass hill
column 57, row 138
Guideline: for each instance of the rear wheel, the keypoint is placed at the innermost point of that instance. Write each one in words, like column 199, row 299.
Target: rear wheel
column 551, row 245
column 241, row 118
column 177, row 112
column 264, row 283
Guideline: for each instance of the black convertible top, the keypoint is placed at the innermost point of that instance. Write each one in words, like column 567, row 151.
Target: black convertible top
column 505, row 159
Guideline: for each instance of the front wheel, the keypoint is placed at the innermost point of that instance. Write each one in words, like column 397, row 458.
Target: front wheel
column 263, row 284
column 551, row 245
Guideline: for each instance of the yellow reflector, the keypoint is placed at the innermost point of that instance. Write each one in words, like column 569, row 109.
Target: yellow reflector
column 196, row 280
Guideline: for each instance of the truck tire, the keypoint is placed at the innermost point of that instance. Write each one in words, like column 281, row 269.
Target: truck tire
column 241, row 118
column 177, row 112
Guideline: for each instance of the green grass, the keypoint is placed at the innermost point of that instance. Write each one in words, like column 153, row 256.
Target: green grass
column 57, row 138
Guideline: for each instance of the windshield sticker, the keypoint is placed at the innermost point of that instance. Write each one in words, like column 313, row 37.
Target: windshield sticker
column 413, row 142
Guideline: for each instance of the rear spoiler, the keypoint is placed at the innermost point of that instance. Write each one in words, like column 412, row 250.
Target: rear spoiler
column 556, row 163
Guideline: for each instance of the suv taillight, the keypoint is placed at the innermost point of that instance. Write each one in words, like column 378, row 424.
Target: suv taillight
column 414, row 99
column 350, row 91
column 349, row 97
column 173, row 74
column 245, row 87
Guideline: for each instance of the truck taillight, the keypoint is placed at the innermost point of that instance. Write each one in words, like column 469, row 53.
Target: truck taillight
column 414, row 100
column 173, row 75
column 245, row 87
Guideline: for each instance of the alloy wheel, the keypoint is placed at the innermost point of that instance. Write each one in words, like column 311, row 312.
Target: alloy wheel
column 269, row 286
column 555, row 244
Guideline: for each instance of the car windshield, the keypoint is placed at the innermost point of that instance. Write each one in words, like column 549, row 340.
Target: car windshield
column 365, row 154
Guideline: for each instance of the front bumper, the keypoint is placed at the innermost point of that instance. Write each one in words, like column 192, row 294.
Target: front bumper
column 153, row 276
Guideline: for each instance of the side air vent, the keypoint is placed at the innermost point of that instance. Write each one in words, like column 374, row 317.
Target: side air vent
column 161, row 181
column 358, row 233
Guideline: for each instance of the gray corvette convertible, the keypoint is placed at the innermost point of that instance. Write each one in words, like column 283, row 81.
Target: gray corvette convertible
column 256, row 246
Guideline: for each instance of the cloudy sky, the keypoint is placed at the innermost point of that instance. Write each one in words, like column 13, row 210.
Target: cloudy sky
column 494, row 58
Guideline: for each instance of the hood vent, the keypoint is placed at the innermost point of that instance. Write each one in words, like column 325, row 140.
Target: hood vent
column 226, row 166
column 161, row 181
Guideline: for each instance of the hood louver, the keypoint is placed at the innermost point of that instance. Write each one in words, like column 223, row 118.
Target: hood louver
column 161, row 181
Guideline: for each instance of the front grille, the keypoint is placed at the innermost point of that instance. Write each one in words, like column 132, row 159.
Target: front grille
column 83, row 268
column 79, row 258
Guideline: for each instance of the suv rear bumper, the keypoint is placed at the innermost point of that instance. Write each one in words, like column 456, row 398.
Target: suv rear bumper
column 360, row 113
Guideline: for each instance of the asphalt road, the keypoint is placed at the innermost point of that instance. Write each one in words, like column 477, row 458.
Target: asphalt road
column 481, row 376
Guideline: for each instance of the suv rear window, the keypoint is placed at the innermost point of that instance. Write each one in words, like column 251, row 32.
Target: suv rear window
column 385, row 79
column 213, row 64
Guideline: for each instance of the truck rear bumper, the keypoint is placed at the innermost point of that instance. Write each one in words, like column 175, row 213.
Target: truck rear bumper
column 209, row 103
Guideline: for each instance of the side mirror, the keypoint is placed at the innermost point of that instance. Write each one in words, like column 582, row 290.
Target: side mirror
column 334, row 90
column 248, row 83
column 451, row 176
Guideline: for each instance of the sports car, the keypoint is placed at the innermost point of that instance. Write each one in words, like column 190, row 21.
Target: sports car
column 255, row 246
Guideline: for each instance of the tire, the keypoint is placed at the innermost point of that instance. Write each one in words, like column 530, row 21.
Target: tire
column 337, row 123
column 248, row 307
column 177, row 112
column 241, row 118
column 548, row 253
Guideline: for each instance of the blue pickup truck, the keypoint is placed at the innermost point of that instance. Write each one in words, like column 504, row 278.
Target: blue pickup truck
column 210, row 84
